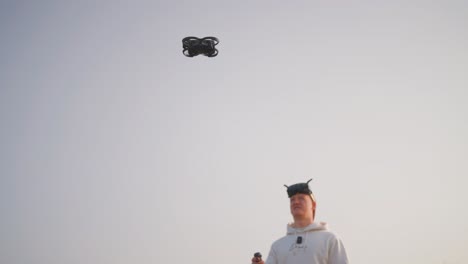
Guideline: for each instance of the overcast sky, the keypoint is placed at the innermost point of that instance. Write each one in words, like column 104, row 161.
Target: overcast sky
column 117, row 149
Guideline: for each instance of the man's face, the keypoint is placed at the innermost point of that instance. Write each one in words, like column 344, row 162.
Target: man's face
column 301, row 205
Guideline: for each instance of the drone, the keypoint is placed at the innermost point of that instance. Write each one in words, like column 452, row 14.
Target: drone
column 194, row 46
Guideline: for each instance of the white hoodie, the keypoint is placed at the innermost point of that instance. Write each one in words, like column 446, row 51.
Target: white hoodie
column 318, row 246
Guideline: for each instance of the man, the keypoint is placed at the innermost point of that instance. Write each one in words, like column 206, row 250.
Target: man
column 306, row 241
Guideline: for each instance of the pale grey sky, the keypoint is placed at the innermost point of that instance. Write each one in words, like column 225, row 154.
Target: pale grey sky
column 118, row 149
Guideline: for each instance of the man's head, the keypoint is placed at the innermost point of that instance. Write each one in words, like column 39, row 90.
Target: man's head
column 302, row 200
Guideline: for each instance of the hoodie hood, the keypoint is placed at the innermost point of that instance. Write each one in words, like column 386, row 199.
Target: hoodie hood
column 312, row 227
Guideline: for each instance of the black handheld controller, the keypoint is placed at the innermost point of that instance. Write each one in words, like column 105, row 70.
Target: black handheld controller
column 258, row 255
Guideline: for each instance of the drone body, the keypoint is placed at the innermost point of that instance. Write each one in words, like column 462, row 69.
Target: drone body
column 194, row 46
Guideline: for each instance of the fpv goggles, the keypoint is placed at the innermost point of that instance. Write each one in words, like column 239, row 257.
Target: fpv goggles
column 298, row 188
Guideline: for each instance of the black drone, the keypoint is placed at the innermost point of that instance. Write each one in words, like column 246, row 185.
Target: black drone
column 194, row 46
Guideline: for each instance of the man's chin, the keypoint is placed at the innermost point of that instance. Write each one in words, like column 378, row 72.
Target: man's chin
column 297, row 213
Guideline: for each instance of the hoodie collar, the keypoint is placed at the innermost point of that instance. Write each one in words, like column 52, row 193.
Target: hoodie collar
column 315, row 226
